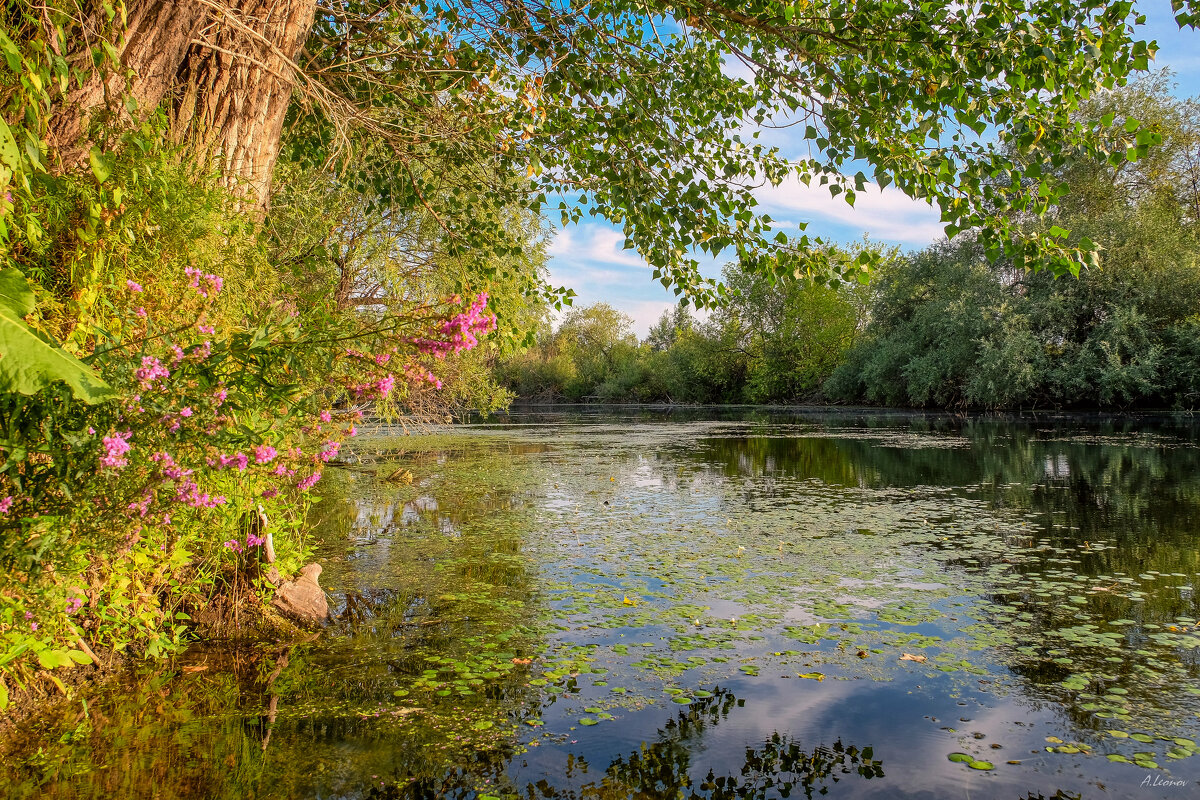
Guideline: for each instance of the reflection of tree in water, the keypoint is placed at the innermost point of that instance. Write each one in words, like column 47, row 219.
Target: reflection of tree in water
column 779, row 767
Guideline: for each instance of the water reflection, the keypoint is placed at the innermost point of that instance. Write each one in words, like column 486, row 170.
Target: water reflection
column 667, row 768
column 1040, row 576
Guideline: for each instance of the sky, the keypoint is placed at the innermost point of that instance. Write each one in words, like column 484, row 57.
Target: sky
column 588, row 258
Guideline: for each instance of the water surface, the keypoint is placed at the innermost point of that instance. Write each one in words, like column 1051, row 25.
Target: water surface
column 647, row 604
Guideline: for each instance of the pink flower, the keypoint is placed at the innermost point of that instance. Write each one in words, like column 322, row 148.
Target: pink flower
column 151, row 371
column 206, row 328
column 269, row 493
column 239, row 460
column 330, row 451
column 133, row 287
column 141, row 312
column 234, row 545
column 309, row 482
column 220, row 396
column 186, row 411
column 5, row 505
column 384, row 385
column 115, row 447
column 325, row 416
column 74, row 604
column 212, row 283
column 143, row 505
column 91, row 431
column 459, row 332
column 264, row 454
column 254, row 541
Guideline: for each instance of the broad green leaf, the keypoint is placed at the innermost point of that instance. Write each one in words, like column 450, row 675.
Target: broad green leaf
column 10, row 154
column 102, row 164
column 30, row 363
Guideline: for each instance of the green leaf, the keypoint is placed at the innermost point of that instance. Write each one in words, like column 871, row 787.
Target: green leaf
column 52, row 659
column 29, row 362
column 79, row 657
column 10, row 154
column 102, row 164
column 16, row 297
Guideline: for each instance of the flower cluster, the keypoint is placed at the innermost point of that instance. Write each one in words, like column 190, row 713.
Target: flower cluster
column 205, row 284
column 459, row 332
column 416, row 374
column 309, row 482
column 379, row 388
column 151, row 370
column 252, row 541
column 115, row 448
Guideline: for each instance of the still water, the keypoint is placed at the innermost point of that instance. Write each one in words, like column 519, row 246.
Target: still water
column 659, row 605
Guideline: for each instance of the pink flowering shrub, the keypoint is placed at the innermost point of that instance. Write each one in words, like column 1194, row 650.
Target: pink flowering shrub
column 215, row 422
column 118, row 518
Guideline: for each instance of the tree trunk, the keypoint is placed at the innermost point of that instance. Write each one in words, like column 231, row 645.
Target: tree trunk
column 234, row 87
column 223, row 69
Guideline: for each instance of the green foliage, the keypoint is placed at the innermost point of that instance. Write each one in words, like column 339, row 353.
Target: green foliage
column 773, row 341
column 632, row 112
column 948, row 328
column 30, row 363
column 214, row 362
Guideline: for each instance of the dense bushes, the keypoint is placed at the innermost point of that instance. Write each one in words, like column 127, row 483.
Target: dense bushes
column 949, row 328
column 773, row 342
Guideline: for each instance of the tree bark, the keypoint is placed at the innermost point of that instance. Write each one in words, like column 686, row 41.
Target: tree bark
column 222, row 68
column 235, row 84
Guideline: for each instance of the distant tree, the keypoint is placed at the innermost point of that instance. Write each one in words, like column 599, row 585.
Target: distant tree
column 949, row 328
column 673, row 322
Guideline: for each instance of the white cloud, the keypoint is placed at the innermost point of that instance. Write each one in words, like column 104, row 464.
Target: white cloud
column 888, row 215
column 593, row 244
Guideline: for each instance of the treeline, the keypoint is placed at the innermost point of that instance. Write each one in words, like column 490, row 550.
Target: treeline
column 948, row 326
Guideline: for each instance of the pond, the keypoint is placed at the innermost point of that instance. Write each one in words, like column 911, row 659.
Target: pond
column 745, row 604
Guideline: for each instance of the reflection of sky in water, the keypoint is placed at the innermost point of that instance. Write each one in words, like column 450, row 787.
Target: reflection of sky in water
column 823, row 525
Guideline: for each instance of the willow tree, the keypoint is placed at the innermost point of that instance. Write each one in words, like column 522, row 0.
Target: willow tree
column 225, row 69
column 642, row 112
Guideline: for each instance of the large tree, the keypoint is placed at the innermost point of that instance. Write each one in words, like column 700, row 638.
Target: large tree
column 641, row 112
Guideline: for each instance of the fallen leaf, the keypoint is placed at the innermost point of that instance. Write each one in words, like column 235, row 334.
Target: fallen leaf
column 911, row 657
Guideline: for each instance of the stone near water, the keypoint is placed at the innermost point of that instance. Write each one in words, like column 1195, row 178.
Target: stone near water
column 302, row 599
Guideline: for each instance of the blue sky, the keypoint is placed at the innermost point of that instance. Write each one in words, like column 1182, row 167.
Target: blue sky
column 588, row 258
